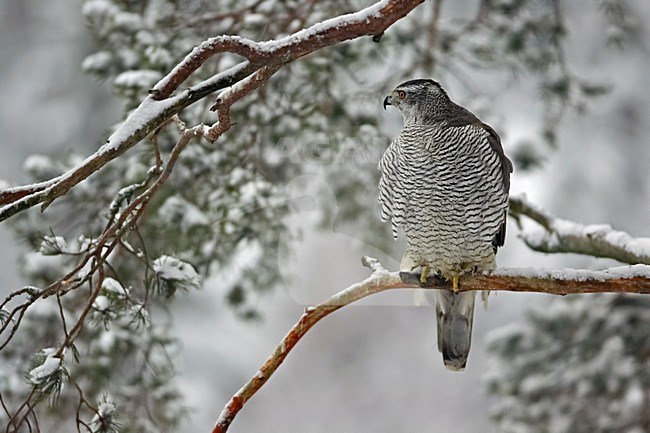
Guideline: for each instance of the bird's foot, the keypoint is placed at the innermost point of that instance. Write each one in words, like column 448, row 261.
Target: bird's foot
column 454, row 281
column 424, row 275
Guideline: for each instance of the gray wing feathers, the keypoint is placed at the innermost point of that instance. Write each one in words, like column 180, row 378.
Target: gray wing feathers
column 506, row 168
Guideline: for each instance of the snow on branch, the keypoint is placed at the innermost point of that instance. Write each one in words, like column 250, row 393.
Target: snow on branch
column 556, row 235
column 629, row 279
column 12, row 194
column 160, row 105
column 373, row 20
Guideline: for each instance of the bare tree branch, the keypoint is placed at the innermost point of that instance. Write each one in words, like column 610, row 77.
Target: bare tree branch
column 627, row 279
column 159, row 106
column 561, row 236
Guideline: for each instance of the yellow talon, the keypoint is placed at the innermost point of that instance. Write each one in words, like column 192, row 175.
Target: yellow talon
column 454, row 281
column 424, row 275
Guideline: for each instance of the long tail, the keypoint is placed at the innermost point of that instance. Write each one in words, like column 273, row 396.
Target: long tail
column 455, row 314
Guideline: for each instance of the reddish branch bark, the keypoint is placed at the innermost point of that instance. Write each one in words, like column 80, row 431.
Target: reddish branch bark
column 372, row 21
column 558, row 287
column 304, row 324
column 634, row 279
column 10, row 195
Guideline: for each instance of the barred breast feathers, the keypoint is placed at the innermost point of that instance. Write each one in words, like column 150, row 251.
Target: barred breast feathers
column 420, row 163
column 391, row 191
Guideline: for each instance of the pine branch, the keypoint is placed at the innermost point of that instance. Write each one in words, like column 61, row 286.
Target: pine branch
column 160, row 105
column 561, row 236
column 627, row 279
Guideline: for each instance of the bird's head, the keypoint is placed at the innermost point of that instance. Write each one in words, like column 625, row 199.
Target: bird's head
column 418, row 100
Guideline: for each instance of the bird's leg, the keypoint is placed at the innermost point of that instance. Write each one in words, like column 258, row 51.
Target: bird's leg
column 454, row 281
column 424, row 275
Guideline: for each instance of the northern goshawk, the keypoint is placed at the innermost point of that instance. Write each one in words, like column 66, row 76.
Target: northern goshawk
column 445, row 182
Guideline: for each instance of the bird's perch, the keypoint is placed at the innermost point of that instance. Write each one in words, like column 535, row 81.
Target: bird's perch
column 626, row 279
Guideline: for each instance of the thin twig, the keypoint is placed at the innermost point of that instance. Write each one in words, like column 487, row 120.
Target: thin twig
column 103, row 247
column 429, row 62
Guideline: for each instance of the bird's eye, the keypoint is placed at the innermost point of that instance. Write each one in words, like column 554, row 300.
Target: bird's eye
column 401, row 94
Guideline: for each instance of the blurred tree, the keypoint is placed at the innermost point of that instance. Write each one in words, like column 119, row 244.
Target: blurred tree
column 222, row 212
column 580, row 365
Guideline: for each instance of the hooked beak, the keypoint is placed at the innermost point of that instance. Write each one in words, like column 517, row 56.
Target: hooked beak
column 387, row 101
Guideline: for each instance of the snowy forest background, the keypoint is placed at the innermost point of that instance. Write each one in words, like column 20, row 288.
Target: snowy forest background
column 575, row 363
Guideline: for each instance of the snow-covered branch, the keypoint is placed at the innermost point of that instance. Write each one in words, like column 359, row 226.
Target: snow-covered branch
column 89, row 270
column 371, row 21
column 556, row 235
column 96, row 256
column 629, row 279
column 160, row 105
